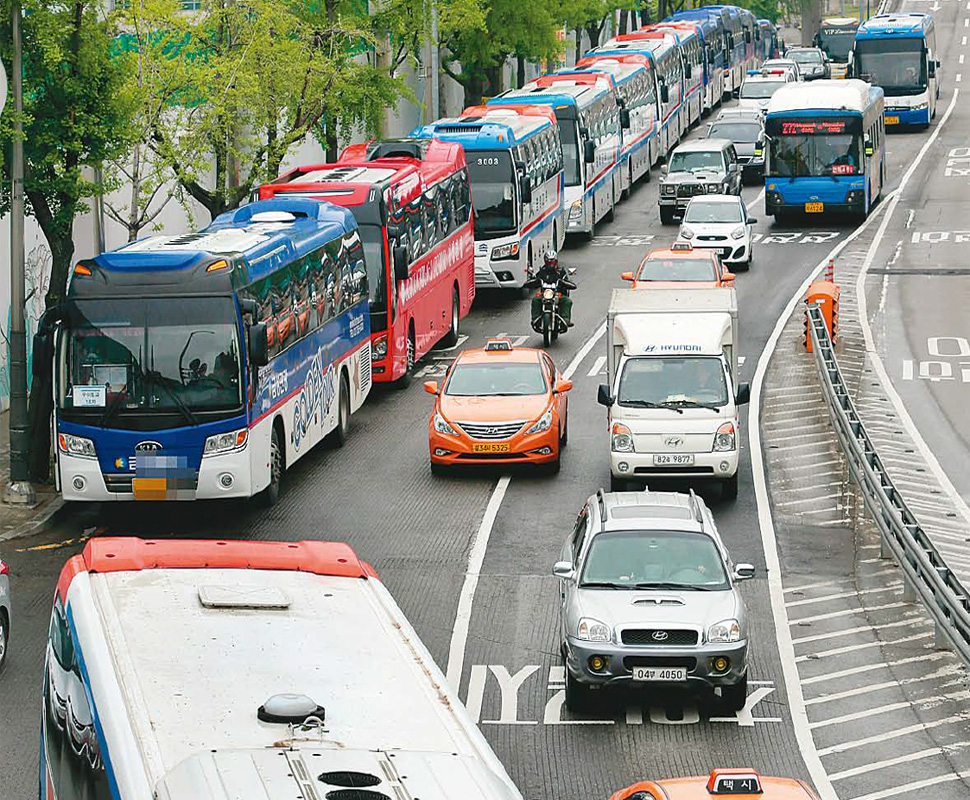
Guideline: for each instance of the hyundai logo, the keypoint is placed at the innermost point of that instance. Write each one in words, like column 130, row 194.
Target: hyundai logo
column 148, row 447
column 674, row 441
column 492, row 431
column 660, row 636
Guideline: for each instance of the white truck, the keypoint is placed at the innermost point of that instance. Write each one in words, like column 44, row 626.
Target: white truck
column 673, row 393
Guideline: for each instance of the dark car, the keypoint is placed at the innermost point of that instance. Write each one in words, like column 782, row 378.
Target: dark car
column 747, row 131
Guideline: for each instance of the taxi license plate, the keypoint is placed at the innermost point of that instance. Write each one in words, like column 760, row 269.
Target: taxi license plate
column 660, row 674
column 678, row 459
column 892, row 120
column 814, row 208
column 496, row 447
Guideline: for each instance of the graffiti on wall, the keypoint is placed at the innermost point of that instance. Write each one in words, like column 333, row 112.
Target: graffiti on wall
column 37, row 278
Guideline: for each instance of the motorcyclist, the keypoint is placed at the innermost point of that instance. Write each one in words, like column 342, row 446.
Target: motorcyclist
column 552, row 272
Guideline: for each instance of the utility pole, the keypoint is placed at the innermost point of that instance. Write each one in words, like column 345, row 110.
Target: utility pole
column 435, row 67
column 19, row 490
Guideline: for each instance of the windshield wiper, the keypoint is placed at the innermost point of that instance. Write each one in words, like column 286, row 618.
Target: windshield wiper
column 604, row 585
column 681, row 404
column 154, row 377
column 648, row 404
column 112, row 409
column 669, row 585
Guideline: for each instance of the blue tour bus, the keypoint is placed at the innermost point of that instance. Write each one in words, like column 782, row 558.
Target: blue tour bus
column 826, row 148
column 203, row 365
column 898, row 53
column 515, row 169
column 711, row 35
column 731, row 42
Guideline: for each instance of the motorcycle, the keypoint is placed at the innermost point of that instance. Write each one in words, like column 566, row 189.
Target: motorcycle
column 548, row 317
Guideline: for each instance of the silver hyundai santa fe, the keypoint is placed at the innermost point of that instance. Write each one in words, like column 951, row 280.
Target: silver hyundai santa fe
column 649, row 598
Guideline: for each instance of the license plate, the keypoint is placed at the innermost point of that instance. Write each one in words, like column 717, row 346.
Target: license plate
column 660, row 674
column 724, row 251
column 496, row 447
column 892, row 120
column 673, row 458
column 149, row 488
column 814, row 208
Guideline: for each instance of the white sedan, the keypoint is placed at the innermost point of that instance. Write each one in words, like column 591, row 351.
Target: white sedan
column 720, row 222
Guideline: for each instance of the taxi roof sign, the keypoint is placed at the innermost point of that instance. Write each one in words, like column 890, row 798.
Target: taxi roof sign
column 681, row 246
column 498, row 345
column 734, row 781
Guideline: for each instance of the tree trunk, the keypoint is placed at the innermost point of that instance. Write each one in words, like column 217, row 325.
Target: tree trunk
column 519, row 72
column 593, row 32
column 60, row 240
column 474, row 86
column 493, row 76
column 624, row 20
column 134, row 210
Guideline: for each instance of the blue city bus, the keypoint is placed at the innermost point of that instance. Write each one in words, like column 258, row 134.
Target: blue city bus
column 826, row 148
column 898, row 53
column 730, row 42
column 769, row 40
column 202, row 366
column 711, row 35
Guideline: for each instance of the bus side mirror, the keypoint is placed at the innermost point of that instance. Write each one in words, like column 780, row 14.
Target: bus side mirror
column 624, row 118
column 687, row 70
column 258, row 345
column 932, row 69
column 525, row 189
column 747, row 37
column 400, row 263
column 589, row 151
column 664, row 93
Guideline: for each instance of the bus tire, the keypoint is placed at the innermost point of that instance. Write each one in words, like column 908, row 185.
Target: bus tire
column 451, row 338
column 405, row 380
column 342, row 432
column 4, row 638
column 611, row 214
column 277, row 461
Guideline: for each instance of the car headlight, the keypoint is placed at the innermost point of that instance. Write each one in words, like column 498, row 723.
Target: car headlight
column 225, row 442
column 576, row 209
column 76, row 445
column 592, row 630
column 621, row 440
column 713, row 187
column 542, row 424
column 738, row 233
column 727, row 630
column 668, row 189
column 686, row 233
column 504, row 251
column 441, row 425
column 725, row 438
column 379, row 346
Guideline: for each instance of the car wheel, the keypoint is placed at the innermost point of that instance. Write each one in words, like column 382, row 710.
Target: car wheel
column 735, row 696
column 553, row 467
column 666, row 216
column 4, row 637
column 564, row 435
column 405, row 380
column 577, row 694
column 439, row 469
column 451, row 338
column 729, row 487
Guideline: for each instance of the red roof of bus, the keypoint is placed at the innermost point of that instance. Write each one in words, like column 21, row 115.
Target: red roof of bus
column 523, row 111
column 623, row 58
column 580, row 79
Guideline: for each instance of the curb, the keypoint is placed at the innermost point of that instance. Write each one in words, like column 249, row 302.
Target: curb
column 39, row 523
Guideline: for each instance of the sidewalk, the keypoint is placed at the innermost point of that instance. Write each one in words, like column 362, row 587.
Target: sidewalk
column 21, row 520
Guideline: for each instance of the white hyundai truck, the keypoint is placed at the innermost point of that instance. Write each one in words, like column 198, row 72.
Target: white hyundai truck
column 673, row 395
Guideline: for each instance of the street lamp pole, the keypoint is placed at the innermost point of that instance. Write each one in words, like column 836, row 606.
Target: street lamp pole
column 19, row 489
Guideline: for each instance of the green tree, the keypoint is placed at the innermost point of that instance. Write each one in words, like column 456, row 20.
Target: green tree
column 76, row 115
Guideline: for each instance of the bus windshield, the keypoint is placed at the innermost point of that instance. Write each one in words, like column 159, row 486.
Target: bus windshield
column 804, row 147
column 151, row 354
column 570, row 152
column 897, row 65
column 493, row 193
column 372, row 238
column 836, row 42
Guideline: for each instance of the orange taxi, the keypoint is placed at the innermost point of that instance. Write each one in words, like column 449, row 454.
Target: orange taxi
column 733, row 783
column 680, row 266
column 499, row 405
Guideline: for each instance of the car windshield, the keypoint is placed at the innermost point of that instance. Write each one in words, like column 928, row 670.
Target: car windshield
column 759, row 90
column 698, row 161
column 151, row 354
column 654, row 559
column 805, row 56
column 493, row 194
column 672, row 382
column 509, row 378
column 677, row 269
column 700, row 212
column 742, row 132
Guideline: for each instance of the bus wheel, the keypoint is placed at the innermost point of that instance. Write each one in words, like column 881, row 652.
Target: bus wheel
column 342, row 431
column 405, row 380
column 271, row 493
column 451, row 338
column 4, row 637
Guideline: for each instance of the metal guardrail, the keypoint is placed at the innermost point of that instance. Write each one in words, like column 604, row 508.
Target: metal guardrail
column 926, row 574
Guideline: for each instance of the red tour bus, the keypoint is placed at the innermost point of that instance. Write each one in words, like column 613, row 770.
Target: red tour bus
column 412, row 203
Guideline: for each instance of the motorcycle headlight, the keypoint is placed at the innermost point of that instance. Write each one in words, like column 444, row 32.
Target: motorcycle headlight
column 727, row 630
column 668, row 189
column 504, row 251
column 225, row 442
column 686, row 233
column 738, row 233
column 714, row 187
column 379, row 346
column 548, row 294
column 76, row 445
column 441, row 425
column 621, row 440
column 576, row 209
column 542, row 424
column 592, row 630
column 725, row 438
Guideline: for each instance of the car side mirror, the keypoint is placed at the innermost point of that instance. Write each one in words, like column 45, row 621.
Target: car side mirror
column 752, row 220
column 728, row 276
column 563, row 385
column 664, row 169
column 431, row 387
column 589, row 151
column 563, row 570
column 258, row 345
column 400, row 263
column 743, row 572
column 603, row 396
column 744, row 394
column 627, row 276
column 625, row 118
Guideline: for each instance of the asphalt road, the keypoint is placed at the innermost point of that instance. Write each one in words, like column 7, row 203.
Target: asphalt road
column 378, row 494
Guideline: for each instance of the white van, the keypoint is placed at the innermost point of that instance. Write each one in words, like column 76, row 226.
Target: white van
column 673, row 393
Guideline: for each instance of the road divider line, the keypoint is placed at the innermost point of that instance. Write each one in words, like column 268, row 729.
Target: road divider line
column 757, row 200
column 479, row 545
column 936, row 655
column 892, row 762
column 894, row 734
column 945, row 672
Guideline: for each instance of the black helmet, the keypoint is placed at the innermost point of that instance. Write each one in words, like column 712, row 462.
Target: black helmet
column 550, row 258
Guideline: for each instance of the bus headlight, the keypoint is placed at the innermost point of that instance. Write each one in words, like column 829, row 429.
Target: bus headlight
column 76, row 446
column 542, row 424
column 227, row 442
column 920, row 107
column 724, row 439
column 379, row 346
column 576, row 209
column 505, row 251
column 621, row 440
column 441, row 425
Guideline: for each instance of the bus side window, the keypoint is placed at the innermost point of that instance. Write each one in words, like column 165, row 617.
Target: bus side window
column 462, row 198
column 431, row 221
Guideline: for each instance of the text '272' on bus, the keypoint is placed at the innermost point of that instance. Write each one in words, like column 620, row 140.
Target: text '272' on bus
column 204, row 365
column 412, row 202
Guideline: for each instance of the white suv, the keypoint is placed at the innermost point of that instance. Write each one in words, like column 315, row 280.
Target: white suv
column 720, row 222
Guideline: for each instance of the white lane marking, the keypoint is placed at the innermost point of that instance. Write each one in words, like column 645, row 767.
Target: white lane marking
column 597, row 366
column 818, row 585
column 964, row 40
column 845, row 673
column 959, row 77
column 915, row 786
column 893, row 734
column 892, row 762
column 786, row 651
column 852, row 648
column 915, row 620
column 944, row 672
column 757, row 200
column 961, row 58
column 476, row 557
column 841, row 595
column 869, row 712
column 847, row 612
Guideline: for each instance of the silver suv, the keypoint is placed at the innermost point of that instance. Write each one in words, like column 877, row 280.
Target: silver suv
column 649, row 598
column 701, row 166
